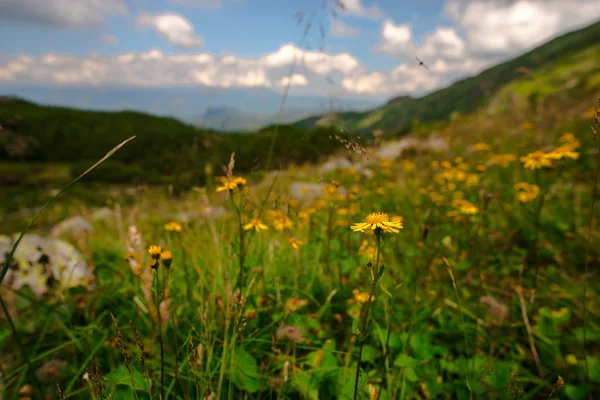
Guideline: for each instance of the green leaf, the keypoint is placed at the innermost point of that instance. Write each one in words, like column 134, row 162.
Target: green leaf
column 576, row 392
column 594, row 365
column 421, row 347
column 369, row 354
column 120, row 376
column 412, row 376
column 245, row 371
column 405, row 361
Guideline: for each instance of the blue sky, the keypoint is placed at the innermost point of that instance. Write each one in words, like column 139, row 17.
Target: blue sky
column 368, row 50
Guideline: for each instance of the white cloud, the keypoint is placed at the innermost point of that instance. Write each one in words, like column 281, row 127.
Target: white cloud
column 340, row 29
column 109, row 40
column 157, row 68
column 498, row 29
column 294, row 80
column 175, row 28
column 356, row 8
column 61, row 13
column 202, row 3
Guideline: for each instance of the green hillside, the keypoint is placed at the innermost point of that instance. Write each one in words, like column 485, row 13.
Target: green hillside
column 567, row 65
column 165, row 150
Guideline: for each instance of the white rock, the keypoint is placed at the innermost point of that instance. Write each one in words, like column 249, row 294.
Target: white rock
column 102, row 214
column 335, row 164
column 38, row 261
column 76, row 226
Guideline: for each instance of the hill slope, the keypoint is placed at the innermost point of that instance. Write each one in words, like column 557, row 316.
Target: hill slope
column 164, row 151
column 574, row 55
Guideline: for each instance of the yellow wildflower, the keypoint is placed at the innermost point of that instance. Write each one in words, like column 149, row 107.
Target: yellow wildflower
column 503, row 160
column 167, row 258
column 408, row 166
column 154, row 252
column 536, row 160
column 377, row 223
column 295, row 243
column 564, row 151
column 482, row 147
column 256, row 225
column 173, row 227
column 568, row 138
column 435, row 164
column 527, row 192
column 230, row 183
column 283, row 222
column 366, row 250
column 362, row 297
column 465, row 206
column 342, row 211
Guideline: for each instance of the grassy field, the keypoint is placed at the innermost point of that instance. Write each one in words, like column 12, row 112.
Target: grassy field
column 480, row 282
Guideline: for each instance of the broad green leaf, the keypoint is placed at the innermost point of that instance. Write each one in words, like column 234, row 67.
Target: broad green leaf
column 120, row 376
column 369, row 354
column 244, row 372
column 405, row 361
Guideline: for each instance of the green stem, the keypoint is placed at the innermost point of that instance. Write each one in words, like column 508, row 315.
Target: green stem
column 17, row 337
column 157, row 300
column 366, row 317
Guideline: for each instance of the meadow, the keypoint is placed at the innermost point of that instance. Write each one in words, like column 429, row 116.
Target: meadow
column 464, row 270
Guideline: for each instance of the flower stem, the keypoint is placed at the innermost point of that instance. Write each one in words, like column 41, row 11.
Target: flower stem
column 157, row 300
column 366, row 316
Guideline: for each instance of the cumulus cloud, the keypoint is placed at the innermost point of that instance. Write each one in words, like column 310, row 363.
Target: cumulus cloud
column 61, row 13
column 174, row 28
column 109, row 40
column 294, row 80
column 505, row 28
column 340, row 29
column 156, row 68
column 356, row 8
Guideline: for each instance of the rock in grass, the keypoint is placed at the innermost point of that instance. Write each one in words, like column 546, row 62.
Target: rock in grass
column 43, row 263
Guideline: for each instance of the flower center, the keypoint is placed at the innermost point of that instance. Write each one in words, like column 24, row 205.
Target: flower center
column 377, row 218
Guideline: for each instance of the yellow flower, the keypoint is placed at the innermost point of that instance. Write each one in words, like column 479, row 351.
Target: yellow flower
column 446, row 165
column 458, row 160
column 166, row 257
column 362, row 297
column 527, row 192
column 256, row 225
column 283, row 222
column 564, row 151
column 342, row 211
column 571, row 359
column 155, row 252
column 435, row 164
column 397, row 218
column 482, row 147
column 568, row 138
column 329, row 190
column 408, row 166
column 293, row 304
column 377, row 223
column 503, row 160
column 230, row 183
column 173, row 227
column 465, row 206
column 295, row 243
column 536, row 160
column 380, row 191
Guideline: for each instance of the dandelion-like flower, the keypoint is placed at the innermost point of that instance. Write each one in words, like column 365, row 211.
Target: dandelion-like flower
column 527, row 191
column 173, row 227
column 482, row 147
column 564, row 151
column 362, row 297
column 503, row 160
column 256, row 225
column 167, row 258
column 154, row 252
column 283, row 222
column 295, row 243
column 465, row 206
column 377, row 223
column 230, row 183
column 536, row 160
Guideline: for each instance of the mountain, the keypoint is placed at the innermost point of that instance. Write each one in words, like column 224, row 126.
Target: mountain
column 569, row 62
column 254, row 107
column 232, row 119
column 38, row 143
